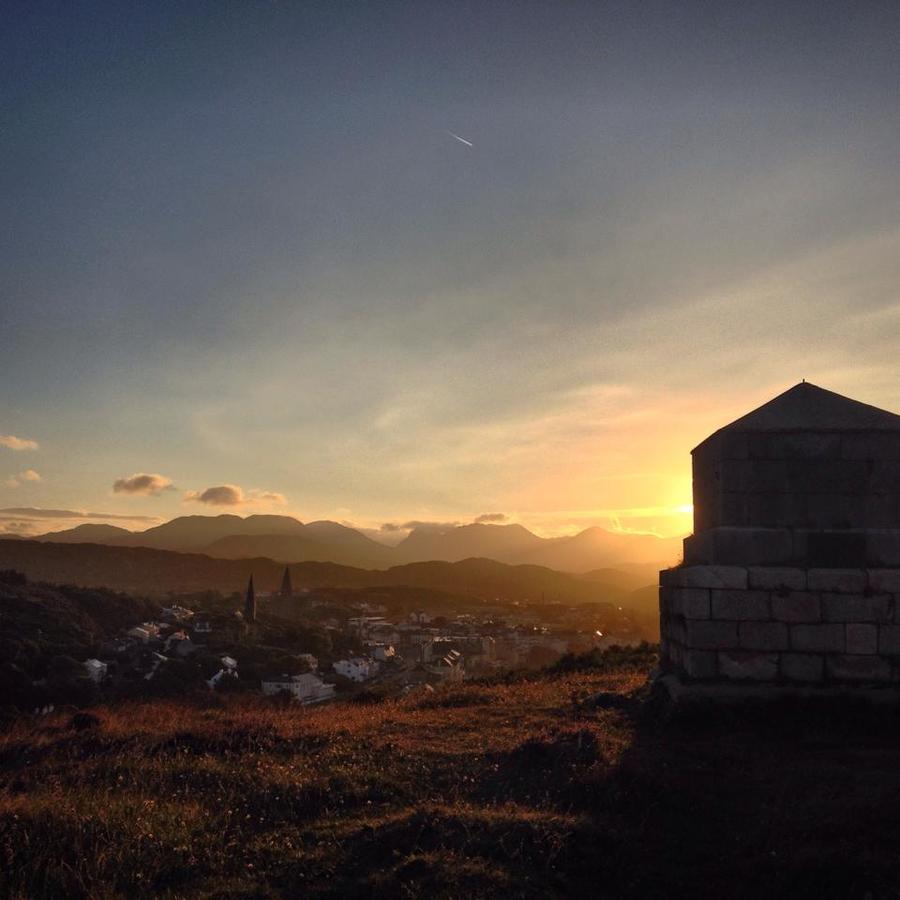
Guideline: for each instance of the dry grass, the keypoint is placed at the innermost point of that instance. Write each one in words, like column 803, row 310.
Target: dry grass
column 467, row 791
column 482, row 790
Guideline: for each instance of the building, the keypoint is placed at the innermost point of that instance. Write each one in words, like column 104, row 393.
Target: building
column 145, row 632
column 311, row 662
column 307, row 688
column 357, row 668
column 381, row 652
column 287, row 589
column 792, row 574
column 250, row 603
column 228, row 670
column 179, row 644
column 96, row 670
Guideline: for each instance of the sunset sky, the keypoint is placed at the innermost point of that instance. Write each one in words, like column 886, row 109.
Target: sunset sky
column 243, row 253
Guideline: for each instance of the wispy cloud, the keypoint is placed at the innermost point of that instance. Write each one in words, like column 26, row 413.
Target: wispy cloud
column 16, row 443
column 146, row 483
column 491, row 519
column 36, row 512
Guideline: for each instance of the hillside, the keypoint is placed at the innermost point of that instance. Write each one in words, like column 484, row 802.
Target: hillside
column 286, row 539
column 561, row 784
column 157, row 572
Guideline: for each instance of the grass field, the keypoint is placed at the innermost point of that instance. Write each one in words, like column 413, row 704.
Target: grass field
column 519, row 789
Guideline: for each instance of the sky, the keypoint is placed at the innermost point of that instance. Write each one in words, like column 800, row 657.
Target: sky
column 245, row 259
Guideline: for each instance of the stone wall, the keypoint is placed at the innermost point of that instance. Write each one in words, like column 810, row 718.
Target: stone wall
column 781, row 625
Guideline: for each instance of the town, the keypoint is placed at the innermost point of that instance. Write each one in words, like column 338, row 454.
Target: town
column 311, row 646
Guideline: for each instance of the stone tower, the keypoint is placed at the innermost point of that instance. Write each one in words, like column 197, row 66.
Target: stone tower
column 250, row 604
column 287, row 589
column 792, row 574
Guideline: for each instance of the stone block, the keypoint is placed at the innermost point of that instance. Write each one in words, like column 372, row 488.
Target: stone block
column 797, row 606
column 889, row 640
column 665, row 601
column 885, row 477
column 709, row 635
column 711, row 577
column 858, row 668
column 883, row 548
column 771, row 578
column 870, row 446
column 742, row 665
column 818, row 638
column 692, row 603
column 675, row 629
column 763, row 636
column 862, row 637
column 740, row 605
column 699, row 548
column 884, row 581
column 857, row 608
column 700, row 664
column 850, row 581
column 807, row 667
column 751, row 546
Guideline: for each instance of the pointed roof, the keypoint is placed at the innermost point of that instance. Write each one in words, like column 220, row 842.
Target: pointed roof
column 287, row 589
column 807, row 407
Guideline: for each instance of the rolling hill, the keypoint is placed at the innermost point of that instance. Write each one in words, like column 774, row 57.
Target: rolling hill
column 157, row 572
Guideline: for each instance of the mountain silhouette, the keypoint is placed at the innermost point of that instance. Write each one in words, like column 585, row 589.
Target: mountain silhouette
column 286, row 539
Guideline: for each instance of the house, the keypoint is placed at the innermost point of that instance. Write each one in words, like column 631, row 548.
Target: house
column 143, row 632
column 179, row 644
column 381, row 652
column 307, row 688
column 228, row 670
column 357, row 668
column 96, row 670
column 177, row 613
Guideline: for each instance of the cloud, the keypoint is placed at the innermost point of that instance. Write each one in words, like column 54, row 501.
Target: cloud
column 415, row 524
column 389, row 527
column 267, row 497
column 34, row 512
column 220, row 495
column 16, row 443
column 233, row 495
column 28, row 475
column 491, row 518
column 150, row 484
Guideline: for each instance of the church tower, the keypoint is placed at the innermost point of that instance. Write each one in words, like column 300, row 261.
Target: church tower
column 287, row 589
column 250, row 604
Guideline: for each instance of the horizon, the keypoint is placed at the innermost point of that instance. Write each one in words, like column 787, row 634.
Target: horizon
column 426, row 263
column 388, row 537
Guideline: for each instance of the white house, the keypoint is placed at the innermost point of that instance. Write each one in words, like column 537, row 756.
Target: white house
column 307, row 688
column 228, row 670
column 382, row 652
column 357, row 668
column 96, row 670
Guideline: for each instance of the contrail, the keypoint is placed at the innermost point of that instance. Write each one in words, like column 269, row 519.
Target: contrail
column 461, row 140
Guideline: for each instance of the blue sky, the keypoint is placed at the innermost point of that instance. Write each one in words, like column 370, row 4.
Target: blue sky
column 241, row 248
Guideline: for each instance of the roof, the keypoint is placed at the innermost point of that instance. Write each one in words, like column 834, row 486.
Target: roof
column 807, row 407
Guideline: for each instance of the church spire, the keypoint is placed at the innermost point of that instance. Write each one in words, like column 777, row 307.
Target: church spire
column 250, row 603
column 287, row 589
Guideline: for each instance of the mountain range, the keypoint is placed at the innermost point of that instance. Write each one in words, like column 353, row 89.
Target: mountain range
column 286, row 539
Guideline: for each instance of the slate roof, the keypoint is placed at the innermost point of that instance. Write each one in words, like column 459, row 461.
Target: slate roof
column 807, row 407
